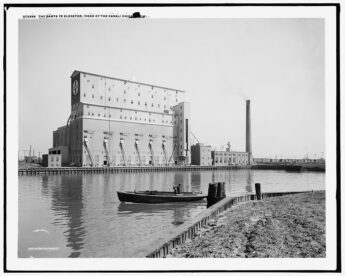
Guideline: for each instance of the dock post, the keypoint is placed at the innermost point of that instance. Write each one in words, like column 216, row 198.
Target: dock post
column 216, row 192
column 258, row 191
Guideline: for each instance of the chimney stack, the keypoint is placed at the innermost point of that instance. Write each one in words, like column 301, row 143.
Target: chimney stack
column 248, row 133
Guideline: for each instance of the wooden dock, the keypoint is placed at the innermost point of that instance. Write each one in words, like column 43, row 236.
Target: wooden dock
column 138, row 169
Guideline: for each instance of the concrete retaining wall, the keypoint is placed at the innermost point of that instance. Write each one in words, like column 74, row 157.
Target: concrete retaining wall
column 188, row 232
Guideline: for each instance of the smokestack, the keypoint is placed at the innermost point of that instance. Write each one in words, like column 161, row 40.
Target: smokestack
column 248, row 131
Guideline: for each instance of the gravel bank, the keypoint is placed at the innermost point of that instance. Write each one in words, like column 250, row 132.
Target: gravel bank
column 281, row 227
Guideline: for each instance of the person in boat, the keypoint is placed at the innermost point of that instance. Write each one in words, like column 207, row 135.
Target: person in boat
column 175, row 190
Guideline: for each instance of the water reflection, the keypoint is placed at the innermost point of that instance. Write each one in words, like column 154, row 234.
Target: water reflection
column 181, row 210
column 249, row 181
column 67, row 202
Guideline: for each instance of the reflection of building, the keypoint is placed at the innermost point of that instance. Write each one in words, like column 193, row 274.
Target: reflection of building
column 118, row 122
column 66, row 193
column 201, row 155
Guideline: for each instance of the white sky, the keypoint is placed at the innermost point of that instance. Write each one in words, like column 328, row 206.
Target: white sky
column 277, row 63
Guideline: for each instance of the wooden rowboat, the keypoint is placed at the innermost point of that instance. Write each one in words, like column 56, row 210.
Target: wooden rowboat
column 158, row 196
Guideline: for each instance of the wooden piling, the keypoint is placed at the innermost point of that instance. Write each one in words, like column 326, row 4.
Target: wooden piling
column 216, row 192
column 258, row 191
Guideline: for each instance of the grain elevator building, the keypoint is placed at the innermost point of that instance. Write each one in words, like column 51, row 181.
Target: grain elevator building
column 117, row 122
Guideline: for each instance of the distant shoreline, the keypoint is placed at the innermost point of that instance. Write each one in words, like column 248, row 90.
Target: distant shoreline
column 291, row 226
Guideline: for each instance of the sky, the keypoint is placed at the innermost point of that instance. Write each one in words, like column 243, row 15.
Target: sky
column 276, row 63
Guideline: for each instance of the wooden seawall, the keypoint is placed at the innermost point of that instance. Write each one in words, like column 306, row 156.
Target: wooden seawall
column 100, row 170
column 187, row 232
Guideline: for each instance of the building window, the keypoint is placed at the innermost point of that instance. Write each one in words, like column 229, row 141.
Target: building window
column 158, row 105
column 99, row 114
column 124, row 91
column 117, row 99
column 152, row 96
column 93, row 86
column 138, row 94
column 131, row 102
column 84, row 94
column 93, row 96
column 120, row 117
column 152, row 105
column 101, row 97
column 109, row 99
column 138, row 103
column 124, row 100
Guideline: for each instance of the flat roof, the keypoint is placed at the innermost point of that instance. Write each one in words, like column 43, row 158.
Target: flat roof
column 126, row 80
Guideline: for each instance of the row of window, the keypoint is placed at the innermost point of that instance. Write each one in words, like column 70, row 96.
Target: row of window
column 132, row 102
column 56, row 158
column 55, row 165
column 220, row 160
column 124, row 117
column 230, row 154
column 130, row 118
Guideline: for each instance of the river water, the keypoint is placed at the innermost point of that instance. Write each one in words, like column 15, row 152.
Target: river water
column 81, row 216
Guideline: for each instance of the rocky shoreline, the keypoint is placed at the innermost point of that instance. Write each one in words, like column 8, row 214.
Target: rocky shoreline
column 291, row 226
